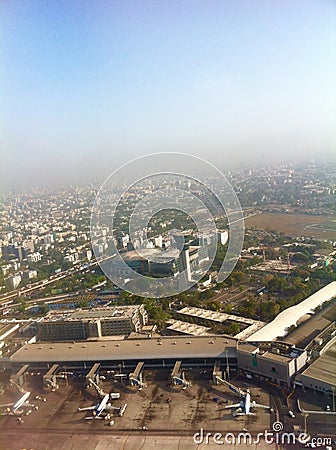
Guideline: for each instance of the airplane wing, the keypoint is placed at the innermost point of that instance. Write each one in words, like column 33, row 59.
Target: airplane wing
column 88, row 408
column 93, row 417
column 235, row 405
column 6, row 405
column 257, row 405
column 109, row 407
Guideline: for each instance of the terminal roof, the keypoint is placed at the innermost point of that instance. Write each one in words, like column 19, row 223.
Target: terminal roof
column 128, row 349
column 279, row 326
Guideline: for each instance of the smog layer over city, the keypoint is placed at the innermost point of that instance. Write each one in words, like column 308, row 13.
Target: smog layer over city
column 168, row 224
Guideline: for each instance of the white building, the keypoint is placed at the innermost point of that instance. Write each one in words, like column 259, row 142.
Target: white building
column 222, row 237
column 158, row 241
column 14, row 281
column 48, row 239
column 34, row 257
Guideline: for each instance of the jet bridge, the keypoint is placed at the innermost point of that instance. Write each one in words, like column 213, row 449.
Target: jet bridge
column 217, row 374
column 178, row 377
column 232, row 387
column 93, row 375
column 95, row 385
column 50, row 378
column 135, row 378
column 19, row 379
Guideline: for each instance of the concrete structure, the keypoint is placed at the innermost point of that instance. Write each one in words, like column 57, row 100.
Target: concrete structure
column 273, row 361
column 19, row 379
column 34, row 257
column 206, row 316
column 179, row 327
column 150, row 260
column 290, row 316
column 310, row 360
column 135, row 378
column 49, row 379
column 321, row 374
column 178, row 377
column 314, row 329
column 222, row 236
column 164, row 351
column 277, row 363
column 7, row 329
column 94, row 323
column 15, row 281
column 93, row 375
column 217, row 372
column 183, row 263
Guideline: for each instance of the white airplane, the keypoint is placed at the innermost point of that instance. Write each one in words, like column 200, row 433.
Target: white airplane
column 244, row 406
column 97, row 409
column 14, row 408
column 103, row 405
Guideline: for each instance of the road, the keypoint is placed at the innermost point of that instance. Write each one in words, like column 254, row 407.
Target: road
column 4, row 298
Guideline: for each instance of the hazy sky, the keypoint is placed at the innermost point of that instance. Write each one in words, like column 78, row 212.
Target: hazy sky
column 87, row 85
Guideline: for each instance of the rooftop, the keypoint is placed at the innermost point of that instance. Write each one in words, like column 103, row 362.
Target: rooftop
column 276, row 356
column 273, row 351
column 290, row 316
column 214, row 316
column 179, row 347
column 150, row 254
column 96, row 313
column 324, row 368
column 307, row 331
column 7, row 329
column 187, row 328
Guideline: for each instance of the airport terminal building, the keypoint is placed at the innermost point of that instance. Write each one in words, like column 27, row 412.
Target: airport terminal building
column 305, row 357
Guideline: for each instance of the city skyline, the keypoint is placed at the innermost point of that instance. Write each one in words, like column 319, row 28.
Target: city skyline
column 86, row 87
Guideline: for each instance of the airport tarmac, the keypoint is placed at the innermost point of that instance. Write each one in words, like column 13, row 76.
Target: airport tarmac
column 157, row 416
column 320, row 422
column 50, row 441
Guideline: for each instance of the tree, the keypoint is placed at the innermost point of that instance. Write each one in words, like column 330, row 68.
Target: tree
column 43, row 309
column 233, row 329
column 155, row 312
column 215, row 305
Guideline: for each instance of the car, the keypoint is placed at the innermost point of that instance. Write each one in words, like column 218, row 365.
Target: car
column 327, row 408
column 291, row 414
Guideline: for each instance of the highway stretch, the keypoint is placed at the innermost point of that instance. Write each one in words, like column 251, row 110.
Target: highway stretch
column 10, row 296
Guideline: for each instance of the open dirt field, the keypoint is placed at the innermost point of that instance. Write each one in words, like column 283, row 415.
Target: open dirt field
column 321, row 227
